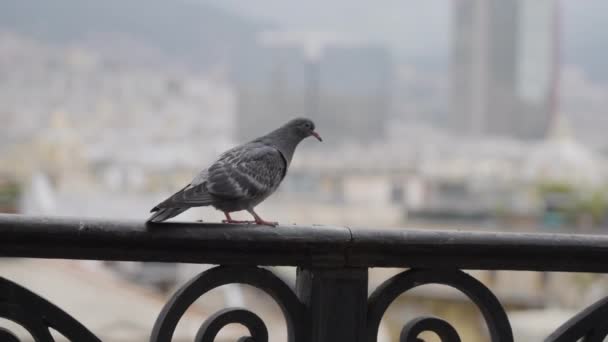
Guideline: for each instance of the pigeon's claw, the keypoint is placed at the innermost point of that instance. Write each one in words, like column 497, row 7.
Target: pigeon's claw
column 261, row 221
column 230, row 220
column 238, row 222
column 266, row 223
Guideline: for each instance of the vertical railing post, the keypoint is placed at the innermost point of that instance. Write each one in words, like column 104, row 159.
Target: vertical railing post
column 336, row 302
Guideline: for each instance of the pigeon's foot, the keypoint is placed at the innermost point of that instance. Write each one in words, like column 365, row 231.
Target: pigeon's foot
column 237, row 221
column 266, row 223
column 261, row 221
column 230, row 220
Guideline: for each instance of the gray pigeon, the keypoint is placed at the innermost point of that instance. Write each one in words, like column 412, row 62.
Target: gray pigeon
column 242, row 177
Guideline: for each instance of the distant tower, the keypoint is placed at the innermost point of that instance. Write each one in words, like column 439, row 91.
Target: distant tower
column 504, row 67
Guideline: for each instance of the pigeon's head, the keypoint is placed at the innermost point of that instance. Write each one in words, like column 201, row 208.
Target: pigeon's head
column 303, row 128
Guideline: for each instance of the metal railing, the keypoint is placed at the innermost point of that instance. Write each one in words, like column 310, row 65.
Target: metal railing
column 330, row 302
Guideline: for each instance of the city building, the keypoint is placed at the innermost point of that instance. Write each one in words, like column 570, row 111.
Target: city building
column 504, row 67
column 345, row 86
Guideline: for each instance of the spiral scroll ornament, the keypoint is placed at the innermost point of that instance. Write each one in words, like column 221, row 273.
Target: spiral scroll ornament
column 491, row 309
column 37, row 315
column 440, row 327
column 292, row 308
column 213, row 325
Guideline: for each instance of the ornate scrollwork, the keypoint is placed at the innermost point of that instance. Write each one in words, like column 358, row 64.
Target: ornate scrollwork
column 213, row 325
column 37, row 315
column 590, row 324
column 292, row 308
column 440, row 327
column 491, row 309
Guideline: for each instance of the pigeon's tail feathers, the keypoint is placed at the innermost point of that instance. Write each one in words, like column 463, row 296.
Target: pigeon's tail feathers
column 163, row 214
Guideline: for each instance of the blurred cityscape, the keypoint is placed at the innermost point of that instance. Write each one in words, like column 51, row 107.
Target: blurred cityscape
column 483, row 114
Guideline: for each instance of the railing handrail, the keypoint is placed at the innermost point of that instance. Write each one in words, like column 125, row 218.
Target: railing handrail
column 309, row 246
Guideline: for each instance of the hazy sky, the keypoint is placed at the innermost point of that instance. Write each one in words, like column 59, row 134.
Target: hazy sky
column 415, row 28
column 420, row 29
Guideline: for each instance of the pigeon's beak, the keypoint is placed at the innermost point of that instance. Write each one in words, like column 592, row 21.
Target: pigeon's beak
column 316, row 135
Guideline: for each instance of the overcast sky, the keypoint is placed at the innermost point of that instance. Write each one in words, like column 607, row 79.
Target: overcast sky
column 420, row 29
column 413, row 27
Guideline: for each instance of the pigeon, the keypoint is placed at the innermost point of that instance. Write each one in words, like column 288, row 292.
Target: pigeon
column 242, row 177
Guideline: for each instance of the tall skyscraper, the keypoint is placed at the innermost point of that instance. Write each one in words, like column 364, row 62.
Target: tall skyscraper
column 504, row 67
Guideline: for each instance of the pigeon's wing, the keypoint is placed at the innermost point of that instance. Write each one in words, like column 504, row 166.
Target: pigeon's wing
column 246, row 172
column 192, row 195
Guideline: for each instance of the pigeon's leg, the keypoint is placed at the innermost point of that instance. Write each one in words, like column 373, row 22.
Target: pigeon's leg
column 230, row 220
column 259, row 220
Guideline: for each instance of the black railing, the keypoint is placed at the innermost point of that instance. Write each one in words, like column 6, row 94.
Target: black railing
column 330, row 302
